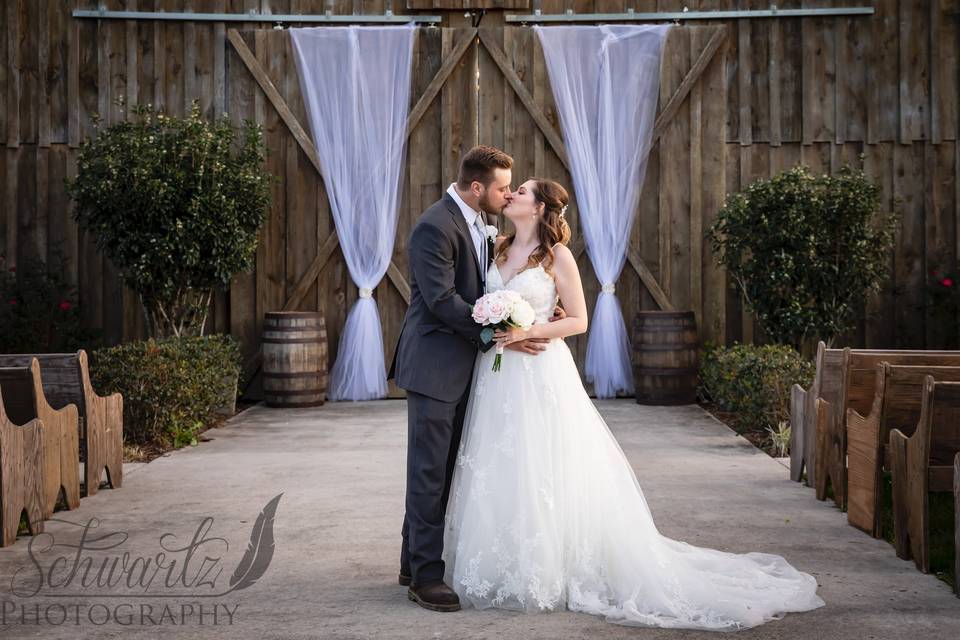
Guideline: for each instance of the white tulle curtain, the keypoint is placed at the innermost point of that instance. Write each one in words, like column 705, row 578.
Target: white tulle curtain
column 355, row 83
column 606, row 82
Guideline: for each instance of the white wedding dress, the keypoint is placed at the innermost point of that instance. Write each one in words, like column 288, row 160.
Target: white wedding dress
column 546, row 513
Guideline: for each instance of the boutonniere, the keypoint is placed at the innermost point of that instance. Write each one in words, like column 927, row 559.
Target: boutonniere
column 492, row 233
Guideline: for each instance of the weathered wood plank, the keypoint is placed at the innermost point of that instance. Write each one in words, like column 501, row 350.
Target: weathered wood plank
column 908, row 182
column 675, row 151
column 493, row 88
column 5, row 73
column 914, row 74
column 711, row 290
column 668, row 110
column 851, row 108
column 42, row 45
column 190, row 52
column 269, row 90
column 943, row 75
column 775, row 56
column 744, row 83
column 430, row 93
column 90, row 262
column 458, row 103
column 14, row 74
column 819, row 72
column 241, row 90
column 219, row 63
column 510, row 75
column 940, row 223
column 271, row 250
column 133, row 59
column 174, row 76
column 883, row 34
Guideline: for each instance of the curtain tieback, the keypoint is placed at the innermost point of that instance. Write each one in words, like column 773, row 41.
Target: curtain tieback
column 366, row 293
column 608, row 287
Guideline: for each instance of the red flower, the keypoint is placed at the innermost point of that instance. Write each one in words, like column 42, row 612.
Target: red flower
column 65, row 305
column 13, row 301
column 13, row 268
column 947, row 282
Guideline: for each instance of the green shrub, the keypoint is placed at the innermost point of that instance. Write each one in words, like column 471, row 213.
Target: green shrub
column 39, row 312
column 174, row 208
column 753, row 381
column 805, row 250
column 171, row 387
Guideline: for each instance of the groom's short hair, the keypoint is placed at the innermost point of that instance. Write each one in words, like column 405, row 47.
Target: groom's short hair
column 477, row 165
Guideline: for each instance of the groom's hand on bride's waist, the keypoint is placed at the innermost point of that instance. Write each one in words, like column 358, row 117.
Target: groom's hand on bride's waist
column 531, row 346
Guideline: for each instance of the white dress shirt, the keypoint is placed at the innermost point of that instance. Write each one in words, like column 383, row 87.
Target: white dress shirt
column 470, row 215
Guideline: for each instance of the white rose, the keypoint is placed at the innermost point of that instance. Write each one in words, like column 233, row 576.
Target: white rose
column 523, row 315
column 491, row 232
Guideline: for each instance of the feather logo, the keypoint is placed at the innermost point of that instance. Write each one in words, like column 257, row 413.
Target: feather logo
column 259, row 551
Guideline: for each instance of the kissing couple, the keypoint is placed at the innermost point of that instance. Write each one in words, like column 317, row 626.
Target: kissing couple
column 518, row 496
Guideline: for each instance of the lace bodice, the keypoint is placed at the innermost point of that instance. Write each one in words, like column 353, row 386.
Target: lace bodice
column 534, row 284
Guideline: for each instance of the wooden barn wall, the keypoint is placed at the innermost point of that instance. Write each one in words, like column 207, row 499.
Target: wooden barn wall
column 815, row 90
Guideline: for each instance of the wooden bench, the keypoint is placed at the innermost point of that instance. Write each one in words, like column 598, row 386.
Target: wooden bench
column 922, row 463
column 21, row 479
column 844, row 378
column 956, row 524
column 24, row 401
column 858, row 393
column 803, row 413
column 66, row 380
column 898, row 390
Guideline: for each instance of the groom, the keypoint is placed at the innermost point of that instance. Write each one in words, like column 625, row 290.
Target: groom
column 449, row 252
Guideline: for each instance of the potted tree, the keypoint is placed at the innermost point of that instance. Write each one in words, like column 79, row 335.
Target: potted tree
column 176, row 204
column 805, row 250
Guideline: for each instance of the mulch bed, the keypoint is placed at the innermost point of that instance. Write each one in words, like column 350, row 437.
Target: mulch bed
column 153, row 450
column 757, row 436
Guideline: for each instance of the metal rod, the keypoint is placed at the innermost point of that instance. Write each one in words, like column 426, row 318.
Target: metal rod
column 630, row 16
column 252, row 16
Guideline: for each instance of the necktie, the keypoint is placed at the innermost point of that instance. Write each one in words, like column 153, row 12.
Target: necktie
column 482, row 229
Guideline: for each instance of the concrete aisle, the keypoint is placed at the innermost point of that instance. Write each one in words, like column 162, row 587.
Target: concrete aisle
column 340, row 469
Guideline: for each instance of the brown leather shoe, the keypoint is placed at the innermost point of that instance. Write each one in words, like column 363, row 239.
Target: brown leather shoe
column 404, row 578
column 436, row 596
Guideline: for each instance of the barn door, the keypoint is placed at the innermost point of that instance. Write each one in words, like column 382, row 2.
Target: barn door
column 668, row 265
column 478, row 86
column 299, row 263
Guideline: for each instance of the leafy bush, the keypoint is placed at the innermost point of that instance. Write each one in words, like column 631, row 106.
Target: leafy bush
column 171, row 387
column 39, row 312
column 805, row 250
column 753, row 381
column 173, row 208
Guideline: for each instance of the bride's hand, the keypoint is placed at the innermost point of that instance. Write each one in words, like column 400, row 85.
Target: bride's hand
column 511, row 335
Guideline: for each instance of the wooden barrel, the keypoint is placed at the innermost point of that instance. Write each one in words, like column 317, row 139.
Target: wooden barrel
column 294, row 359
column 666, row 349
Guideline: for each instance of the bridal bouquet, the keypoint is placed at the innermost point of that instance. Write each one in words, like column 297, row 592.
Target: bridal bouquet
column 501, row 310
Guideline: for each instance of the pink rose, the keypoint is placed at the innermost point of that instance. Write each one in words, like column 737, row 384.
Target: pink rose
column 480, row 311
column 497, row 309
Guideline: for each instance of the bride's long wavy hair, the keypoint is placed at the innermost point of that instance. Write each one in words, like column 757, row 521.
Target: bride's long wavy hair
column 553, row 226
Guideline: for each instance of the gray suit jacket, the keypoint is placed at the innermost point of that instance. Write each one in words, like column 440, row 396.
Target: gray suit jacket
column 439, row 339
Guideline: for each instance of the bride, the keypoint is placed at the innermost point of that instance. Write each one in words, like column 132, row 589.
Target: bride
column 545, row 511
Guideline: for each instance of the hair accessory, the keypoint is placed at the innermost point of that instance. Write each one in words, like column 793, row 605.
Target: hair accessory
column 563, row 210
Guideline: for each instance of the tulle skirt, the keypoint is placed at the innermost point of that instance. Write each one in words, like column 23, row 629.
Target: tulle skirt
column 545, row 513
